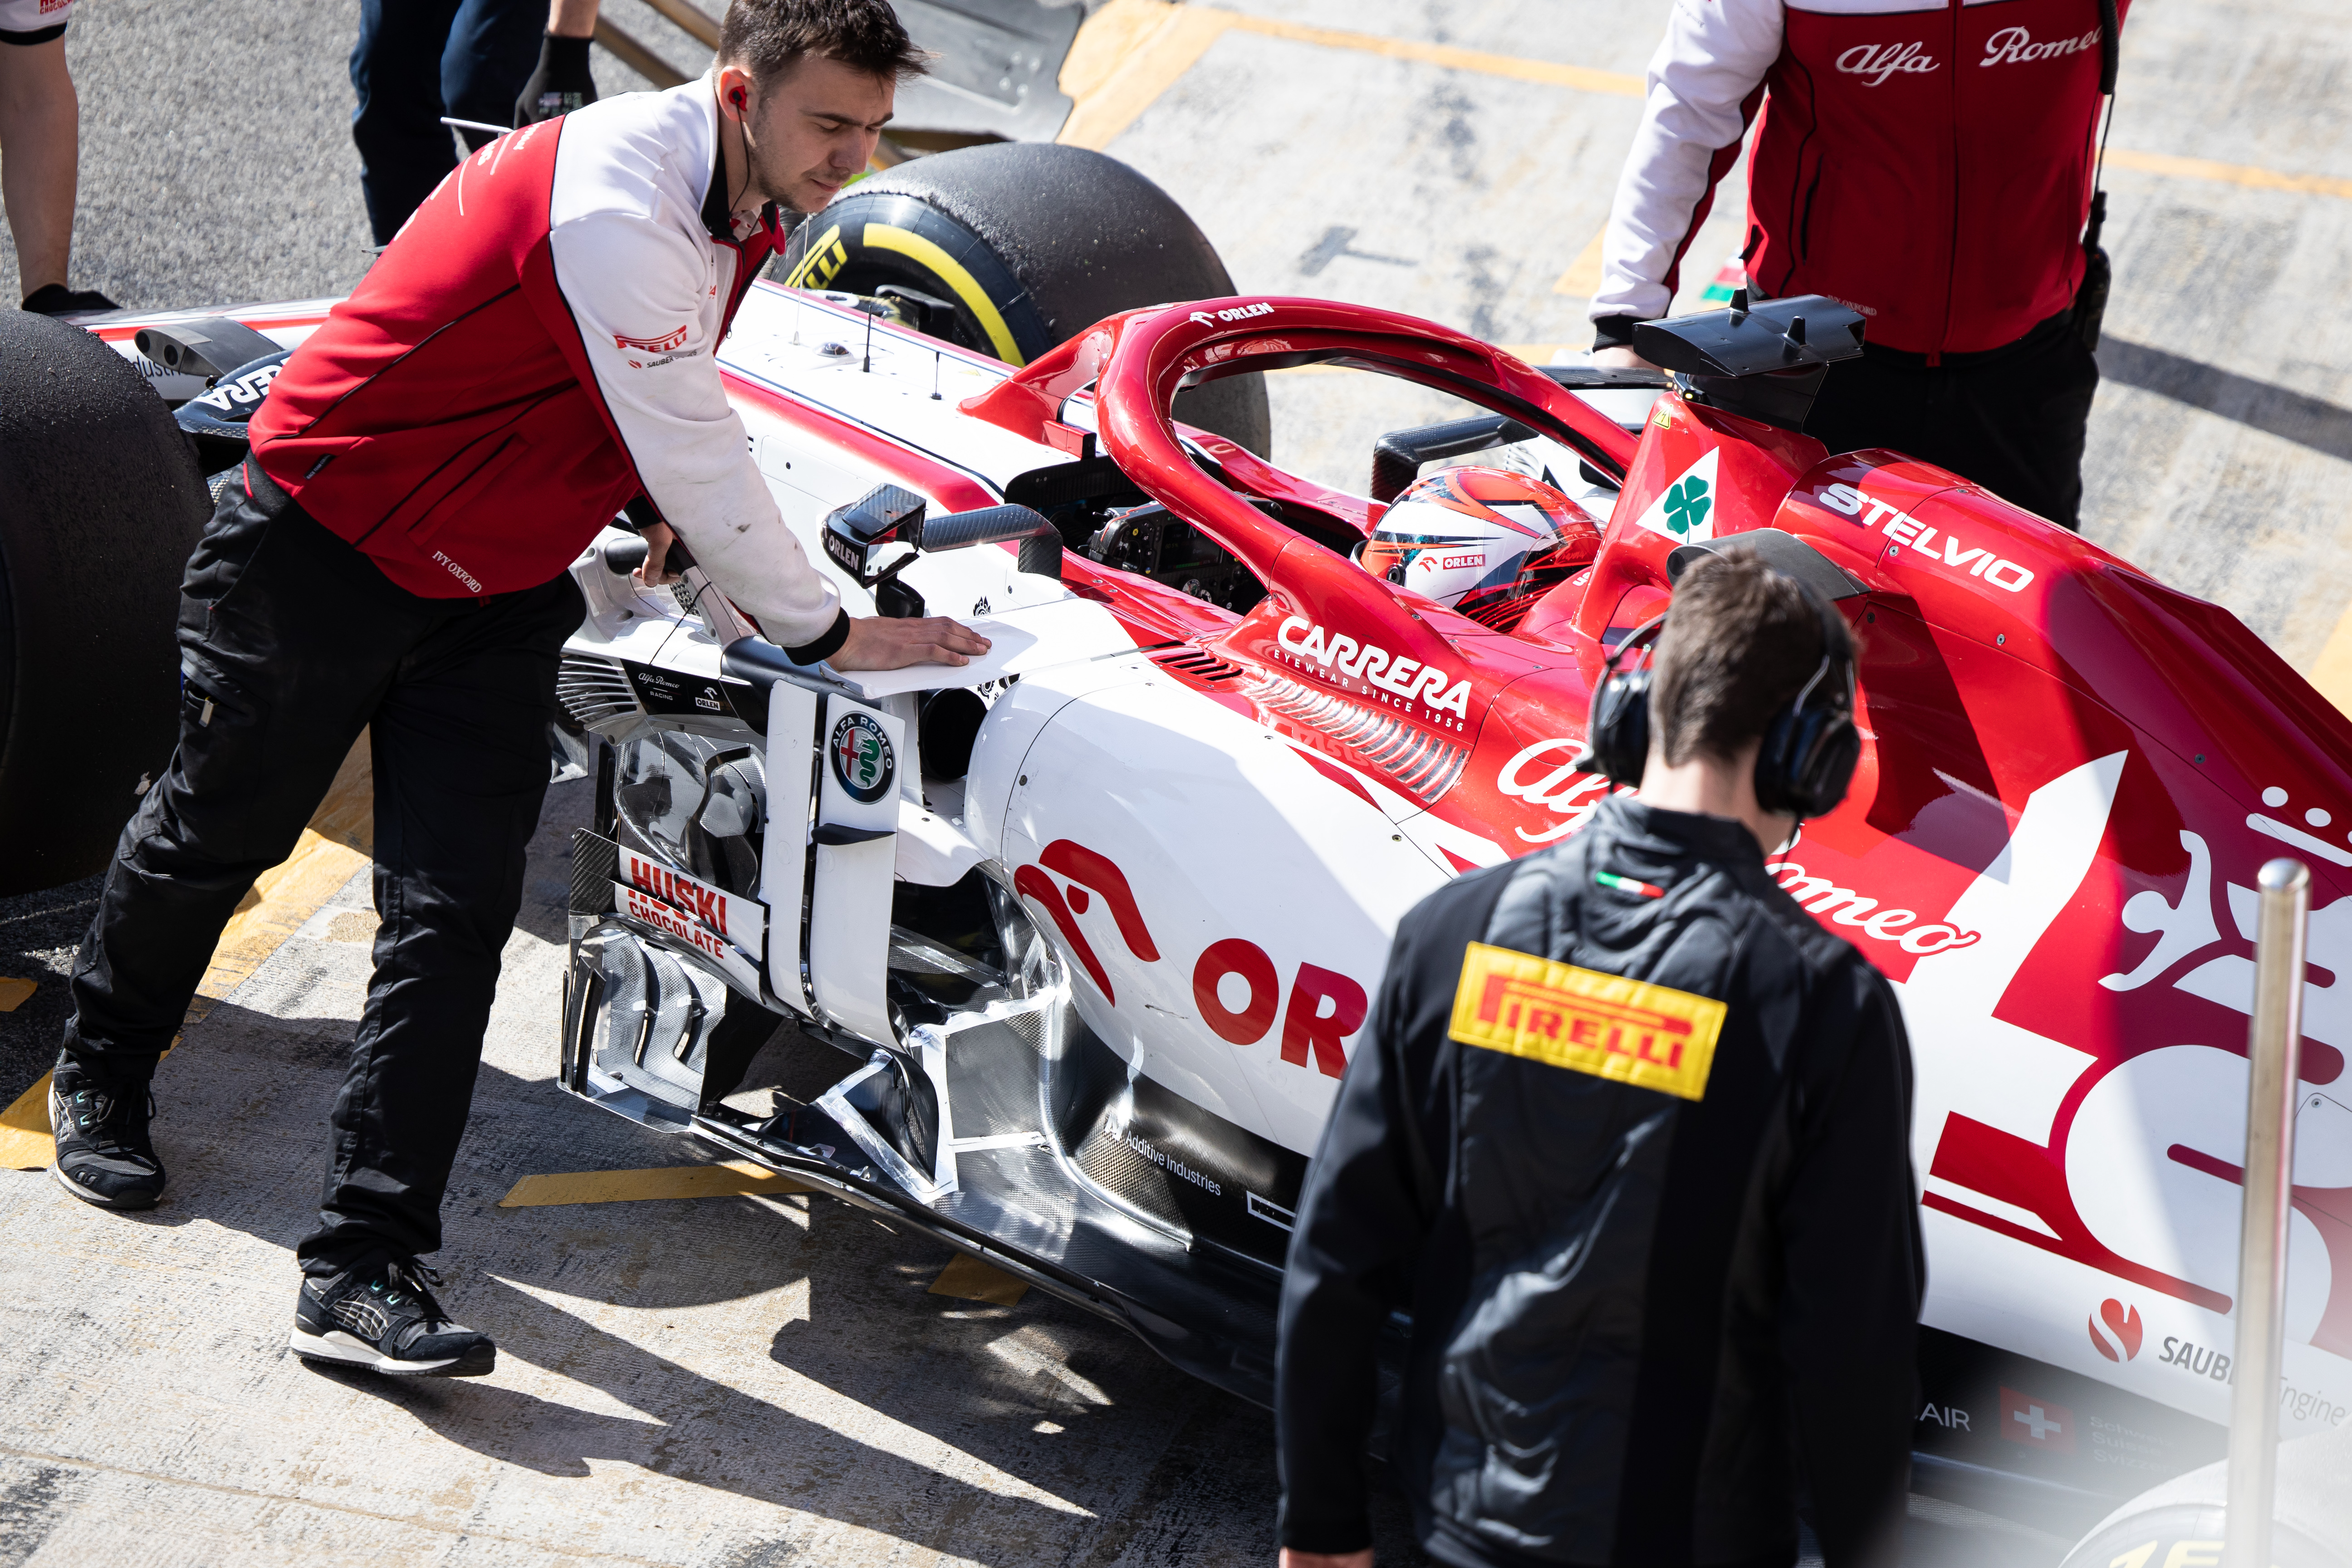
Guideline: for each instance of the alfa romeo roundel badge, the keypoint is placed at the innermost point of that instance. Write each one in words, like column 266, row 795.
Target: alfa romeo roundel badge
column 861, row 758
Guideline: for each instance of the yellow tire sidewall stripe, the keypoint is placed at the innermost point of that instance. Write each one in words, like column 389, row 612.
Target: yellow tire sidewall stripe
column 956, row 276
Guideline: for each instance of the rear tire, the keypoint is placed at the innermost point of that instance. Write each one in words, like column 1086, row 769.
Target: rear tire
column 1024, row 245
column 101, row 503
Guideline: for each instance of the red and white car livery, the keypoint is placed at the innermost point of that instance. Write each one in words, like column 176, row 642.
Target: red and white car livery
column 1100, row 915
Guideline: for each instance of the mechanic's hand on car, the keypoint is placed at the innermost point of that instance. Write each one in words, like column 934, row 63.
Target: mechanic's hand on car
column 1621, row 359
column 1327, row 1560
column 882, row 642
column 650, row 573
column 875, row 642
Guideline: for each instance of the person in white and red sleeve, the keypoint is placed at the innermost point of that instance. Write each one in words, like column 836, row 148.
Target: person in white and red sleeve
column 1929, row 162
column 532, row 354
column 40, row 153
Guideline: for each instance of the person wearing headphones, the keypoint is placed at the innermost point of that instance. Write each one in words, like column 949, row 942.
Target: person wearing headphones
column 1628, row 1139
column 535, row 352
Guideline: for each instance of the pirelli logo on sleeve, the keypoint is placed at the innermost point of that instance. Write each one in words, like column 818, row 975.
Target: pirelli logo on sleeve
column 1606, row 1024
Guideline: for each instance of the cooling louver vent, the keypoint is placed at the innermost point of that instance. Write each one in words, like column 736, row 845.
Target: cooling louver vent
column 593, row 691
column 1422, row 764
column 1198, row 665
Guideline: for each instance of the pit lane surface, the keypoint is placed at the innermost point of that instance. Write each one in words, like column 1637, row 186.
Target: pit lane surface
column 760, row 1379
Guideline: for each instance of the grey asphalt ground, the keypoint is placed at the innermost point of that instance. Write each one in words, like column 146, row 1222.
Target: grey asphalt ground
column 734, row 1382
column 744, row 1381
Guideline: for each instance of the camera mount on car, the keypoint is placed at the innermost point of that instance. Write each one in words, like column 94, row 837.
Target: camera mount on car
column 1766, row 361
column 878, row 535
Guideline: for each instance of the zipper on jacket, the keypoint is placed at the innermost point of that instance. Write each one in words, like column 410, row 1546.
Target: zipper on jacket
column 1952, row 246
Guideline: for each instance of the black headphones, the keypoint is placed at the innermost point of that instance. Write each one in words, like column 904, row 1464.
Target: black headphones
column 1810, row 748
column 742, row 129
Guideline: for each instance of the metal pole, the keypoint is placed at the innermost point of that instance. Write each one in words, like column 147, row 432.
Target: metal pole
column 2274, row 1045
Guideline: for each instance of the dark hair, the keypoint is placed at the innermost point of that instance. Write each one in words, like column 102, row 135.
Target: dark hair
column 1740, row 641
column 767, row 37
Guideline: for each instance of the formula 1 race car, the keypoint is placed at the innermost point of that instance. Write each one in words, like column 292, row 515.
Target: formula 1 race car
column 1097, row 918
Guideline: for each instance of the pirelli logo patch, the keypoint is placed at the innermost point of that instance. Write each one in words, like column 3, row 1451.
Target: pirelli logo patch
column 1606, row 1024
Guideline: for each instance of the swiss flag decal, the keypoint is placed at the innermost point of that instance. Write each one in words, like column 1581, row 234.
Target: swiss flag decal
column 2036, row 1423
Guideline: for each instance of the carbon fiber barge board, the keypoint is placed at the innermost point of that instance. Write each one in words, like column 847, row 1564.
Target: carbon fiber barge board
column 1020, row 1210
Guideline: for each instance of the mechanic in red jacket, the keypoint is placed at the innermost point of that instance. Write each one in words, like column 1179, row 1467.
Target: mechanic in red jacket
column 1926, row 161
column 533, row 353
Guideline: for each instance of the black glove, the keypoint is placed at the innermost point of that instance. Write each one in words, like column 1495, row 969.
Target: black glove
column 560, row 85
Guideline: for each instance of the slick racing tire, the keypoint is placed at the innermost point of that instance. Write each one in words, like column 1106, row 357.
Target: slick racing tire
column 1013, row 247
column 101, row 503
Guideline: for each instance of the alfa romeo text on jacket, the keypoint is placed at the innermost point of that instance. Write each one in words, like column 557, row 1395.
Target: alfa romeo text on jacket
column 1926, row 161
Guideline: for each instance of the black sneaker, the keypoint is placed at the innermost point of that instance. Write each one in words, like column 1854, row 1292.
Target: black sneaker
column 103, row 1154
column 385, row 1320
column 57, row 300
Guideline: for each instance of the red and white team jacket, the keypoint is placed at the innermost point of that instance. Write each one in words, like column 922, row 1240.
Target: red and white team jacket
column 534, row 350
column 1926, row 161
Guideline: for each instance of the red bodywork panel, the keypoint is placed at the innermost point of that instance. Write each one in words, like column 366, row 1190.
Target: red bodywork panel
column 2070, row 771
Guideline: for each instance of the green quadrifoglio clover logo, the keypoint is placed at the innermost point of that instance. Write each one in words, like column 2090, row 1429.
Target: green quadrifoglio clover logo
column 1688, row 506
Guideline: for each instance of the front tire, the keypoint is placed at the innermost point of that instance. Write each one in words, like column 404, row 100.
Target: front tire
column 101, row 503
column 1020, row 246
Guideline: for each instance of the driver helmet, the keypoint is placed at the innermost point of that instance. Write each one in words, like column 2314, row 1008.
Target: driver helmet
column 1461, row 530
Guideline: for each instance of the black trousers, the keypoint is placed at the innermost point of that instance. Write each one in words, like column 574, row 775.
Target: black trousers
column 291, row 643
column 2012, row 419
column 416, row 60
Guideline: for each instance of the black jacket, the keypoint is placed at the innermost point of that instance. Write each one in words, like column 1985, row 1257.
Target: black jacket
column 1637, row 1317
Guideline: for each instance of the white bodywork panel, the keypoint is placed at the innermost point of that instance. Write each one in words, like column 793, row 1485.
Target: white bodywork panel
column 793, row 762
column 850, row 900
column 1223, row 833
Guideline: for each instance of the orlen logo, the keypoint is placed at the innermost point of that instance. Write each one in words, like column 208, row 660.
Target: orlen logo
column 2121, row 1340
column 2015, row 46
column 1408, row 679
column 1234, row 982
column 1085, row 868
column 1238, row 313
column 675, row 338
column 1904, row 529
column 1879, row 61
column 1326, row 1006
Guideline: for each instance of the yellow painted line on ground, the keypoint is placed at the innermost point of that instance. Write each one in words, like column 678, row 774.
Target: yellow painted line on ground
column 2331, row 672
column 2245, row 175
column 968, row 1278
column 1131, row 51
column 331, row 850
column 1126, row 56
column 334, row 849
column 25, row 1144
column 1552, row 73
column 732, row 1179
column 1582, row 279
column 13, row 992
